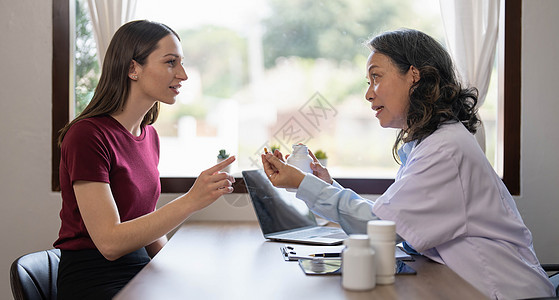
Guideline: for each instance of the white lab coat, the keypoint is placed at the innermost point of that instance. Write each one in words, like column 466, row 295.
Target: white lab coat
column 450, row 205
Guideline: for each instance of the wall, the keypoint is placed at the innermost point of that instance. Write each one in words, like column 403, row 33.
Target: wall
column 539, row 202
column 29, row 216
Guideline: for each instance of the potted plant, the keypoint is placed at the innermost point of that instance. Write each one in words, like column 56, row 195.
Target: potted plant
column 223, row 155
column 274, row 147
column 322, row 157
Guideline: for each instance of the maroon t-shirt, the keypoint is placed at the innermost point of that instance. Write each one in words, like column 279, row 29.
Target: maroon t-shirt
column 100, row 149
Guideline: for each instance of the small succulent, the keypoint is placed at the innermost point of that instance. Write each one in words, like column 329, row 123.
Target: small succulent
column 319, row 154
column 223, row 154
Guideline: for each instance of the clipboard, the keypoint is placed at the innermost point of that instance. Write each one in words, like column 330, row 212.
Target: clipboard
column 296, row 252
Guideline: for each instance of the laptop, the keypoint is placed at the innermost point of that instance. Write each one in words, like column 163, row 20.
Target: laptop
column 283, row 217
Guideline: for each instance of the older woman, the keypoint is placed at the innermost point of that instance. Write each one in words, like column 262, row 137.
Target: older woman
column 447, row 201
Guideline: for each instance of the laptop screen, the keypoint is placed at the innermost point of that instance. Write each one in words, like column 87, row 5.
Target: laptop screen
column 277, row 209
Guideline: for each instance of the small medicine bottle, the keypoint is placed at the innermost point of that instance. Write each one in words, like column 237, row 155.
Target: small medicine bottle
column 301, row 159
column 382, row 238
column 358, row 264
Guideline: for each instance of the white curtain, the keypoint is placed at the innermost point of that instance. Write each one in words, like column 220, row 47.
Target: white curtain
column 471, row 28
column 107, row 16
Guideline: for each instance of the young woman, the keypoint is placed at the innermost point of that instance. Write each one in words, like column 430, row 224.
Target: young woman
column 108, row 170
column 447, row 201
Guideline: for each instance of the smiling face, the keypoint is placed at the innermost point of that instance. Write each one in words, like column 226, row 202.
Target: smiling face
column 388, row 90
column 159, row 79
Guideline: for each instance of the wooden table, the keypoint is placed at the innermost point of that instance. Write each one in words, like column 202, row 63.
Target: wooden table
column 232, row 260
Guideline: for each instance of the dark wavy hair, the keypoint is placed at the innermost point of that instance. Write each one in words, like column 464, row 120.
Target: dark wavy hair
column 438, row 96
column 134, row 40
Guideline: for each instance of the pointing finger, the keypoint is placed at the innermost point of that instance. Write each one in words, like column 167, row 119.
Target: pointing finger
column 312, row 155
column 218, row 167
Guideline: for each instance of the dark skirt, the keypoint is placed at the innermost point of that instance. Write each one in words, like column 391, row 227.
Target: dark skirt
column 86, row 274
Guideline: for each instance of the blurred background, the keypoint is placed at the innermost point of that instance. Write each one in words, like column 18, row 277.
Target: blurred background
column 273, row 73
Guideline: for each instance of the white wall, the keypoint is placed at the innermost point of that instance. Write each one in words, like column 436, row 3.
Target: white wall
column 539, row 202
column 29, row 215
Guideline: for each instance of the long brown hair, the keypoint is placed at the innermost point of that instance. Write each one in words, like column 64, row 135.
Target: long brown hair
column 438, row 96
column 134, row 40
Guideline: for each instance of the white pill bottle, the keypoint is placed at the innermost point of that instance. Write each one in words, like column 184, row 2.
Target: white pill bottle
column 301, row 159
column 382, row 237
column 358, row 264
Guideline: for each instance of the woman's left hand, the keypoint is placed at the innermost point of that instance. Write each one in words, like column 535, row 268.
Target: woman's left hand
column 319, row 170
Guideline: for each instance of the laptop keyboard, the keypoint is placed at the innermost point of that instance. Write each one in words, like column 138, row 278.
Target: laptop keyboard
column 317, row 231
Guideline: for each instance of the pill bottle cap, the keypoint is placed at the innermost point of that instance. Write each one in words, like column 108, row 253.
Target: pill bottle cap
column 300, row 150
column 381, row 227
column 357, row 240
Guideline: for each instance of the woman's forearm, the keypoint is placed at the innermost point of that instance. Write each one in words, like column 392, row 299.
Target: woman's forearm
column 337, row 204
column 125, row 237
column 154, row 248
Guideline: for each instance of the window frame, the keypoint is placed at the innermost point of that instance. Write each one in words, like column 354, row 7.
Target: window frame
column 511, row 97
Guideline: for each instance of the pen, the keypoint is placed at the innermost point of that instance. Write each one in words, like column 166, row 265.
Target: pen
column 325, row 255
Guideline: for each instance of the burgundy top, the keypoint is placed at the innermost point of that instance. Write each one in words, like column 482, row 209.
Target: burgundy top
column 100, row 149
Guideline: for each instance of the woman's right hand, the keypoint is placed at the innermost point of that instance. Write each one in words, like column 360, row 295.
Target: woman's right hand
column 319, row 170
column 212, row 184
column 115, row 238
column 279, row 173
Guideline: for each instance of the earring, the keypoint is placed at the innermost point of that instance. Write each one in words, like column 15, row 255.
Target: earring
column 134, row 77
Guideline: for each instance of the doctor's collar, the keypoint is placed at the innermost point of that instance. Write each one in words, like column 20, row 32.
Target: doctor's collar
column 405, row 150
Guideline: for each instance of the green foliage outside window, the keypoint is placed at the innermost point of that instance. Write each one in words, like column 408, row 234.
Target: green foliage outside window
column 86, row 63
column 323, row 29
column 306, row 29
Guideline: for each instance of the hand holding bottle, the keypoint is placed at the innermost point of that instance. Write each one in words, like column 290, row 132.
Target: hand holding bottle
column 316, row 168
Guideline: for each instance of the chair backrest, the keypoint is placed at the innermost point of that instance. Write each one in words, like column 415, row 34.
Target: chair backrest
column 33, row 276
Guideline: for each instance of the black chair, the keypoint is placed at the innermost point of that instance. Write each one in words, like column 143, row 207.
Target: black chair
column 33, row 276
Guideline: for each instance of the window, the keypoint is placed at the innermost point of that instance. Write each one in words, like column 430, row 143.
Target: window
column 251, row 92
column 276, row 73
